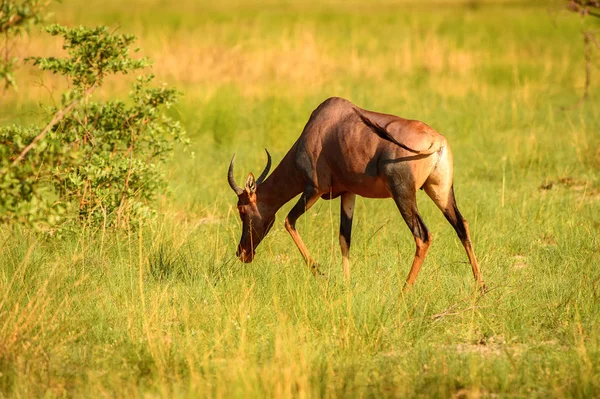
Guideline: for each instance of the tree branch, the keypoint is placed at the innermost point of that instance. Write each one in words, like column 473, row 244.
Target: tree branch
column 57, row 118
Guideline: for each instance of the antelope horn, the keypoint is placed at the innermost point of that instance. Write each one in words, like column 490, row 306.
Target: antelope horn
column 265, row 172
column 238, row 190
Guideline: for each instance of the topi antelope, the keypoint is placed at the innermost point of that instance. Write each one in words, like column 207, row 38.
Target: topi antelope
column 345, row 151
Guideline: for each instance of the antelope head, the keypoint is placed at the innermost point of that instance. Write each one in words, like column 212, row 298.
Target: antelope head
column 257, row 219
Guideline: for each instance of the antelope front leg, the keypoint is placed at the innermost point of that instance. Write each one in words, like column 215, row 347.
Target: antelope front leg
column 346, row 213
column 307, row 200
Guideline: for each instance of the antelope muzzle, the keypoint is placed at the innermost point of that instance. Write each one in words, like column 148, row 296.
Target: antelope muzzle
column 244, row 255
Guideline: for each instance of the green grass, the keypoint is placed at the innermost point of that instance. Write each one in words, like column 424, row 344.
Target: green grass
column 166, row 310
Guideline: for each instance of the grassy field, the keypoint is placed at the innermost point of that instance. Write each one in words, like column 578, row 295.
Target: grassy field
column 165, row 310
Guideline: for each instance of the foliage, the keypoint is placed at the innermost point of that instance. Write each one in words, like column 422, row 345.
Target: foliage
column 93, row 54
column 26, row 191
column 590, row 39
column 99, row 161
column 16, row 18
column 584, row 7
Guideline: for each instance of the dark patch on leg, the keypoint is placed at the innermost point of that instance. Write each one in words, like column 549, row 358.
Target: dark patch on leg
column 414, row 221
column 300, row 208
column 345, row 226
column 453, row 216
column 419, row 229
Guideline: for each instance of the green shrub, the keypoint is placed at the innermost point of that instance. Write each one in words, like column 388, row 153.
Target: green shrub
column 16, row 18
column 93, row 162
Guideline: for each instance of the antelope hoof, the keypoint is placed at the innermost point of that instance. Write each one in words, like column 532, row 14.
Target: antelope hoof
column 315, row 270
column 407, row 288
column 483, row 288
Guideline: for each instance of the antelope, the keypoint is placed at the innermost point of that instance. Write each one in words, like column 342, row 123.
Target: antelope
column 345, row 151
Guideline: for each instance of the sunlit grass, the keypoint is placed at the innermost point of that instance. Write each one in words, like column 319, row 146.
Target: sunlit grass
column 166, row 310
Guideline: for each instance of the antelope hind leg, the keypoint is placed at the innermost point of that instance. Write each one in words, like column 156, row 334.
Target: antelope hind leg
column 446, row 201
column 406, row 201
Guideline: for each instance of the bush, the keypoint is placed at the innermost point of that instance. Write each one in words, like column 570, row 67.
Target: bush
column 93, row 162
column 16, row 18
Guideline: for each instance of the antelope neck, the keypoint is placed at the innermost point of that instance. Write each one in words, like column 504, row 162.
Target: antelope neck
column 281, row 186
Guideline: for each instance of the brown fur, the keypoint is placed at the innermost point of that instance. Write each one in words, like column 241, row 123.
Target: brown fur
column 346, row 151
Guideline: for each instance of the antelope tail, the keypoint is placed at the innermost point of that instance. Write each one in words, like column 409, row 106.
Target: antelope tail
column 384, row 134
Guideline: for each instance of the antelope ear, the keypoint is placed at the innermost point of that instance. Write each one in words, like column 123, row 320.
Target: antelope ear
column 250, row 185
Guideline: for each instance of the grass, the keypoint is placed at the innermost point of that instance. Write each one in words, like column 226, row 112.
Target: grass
column 166, row 310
